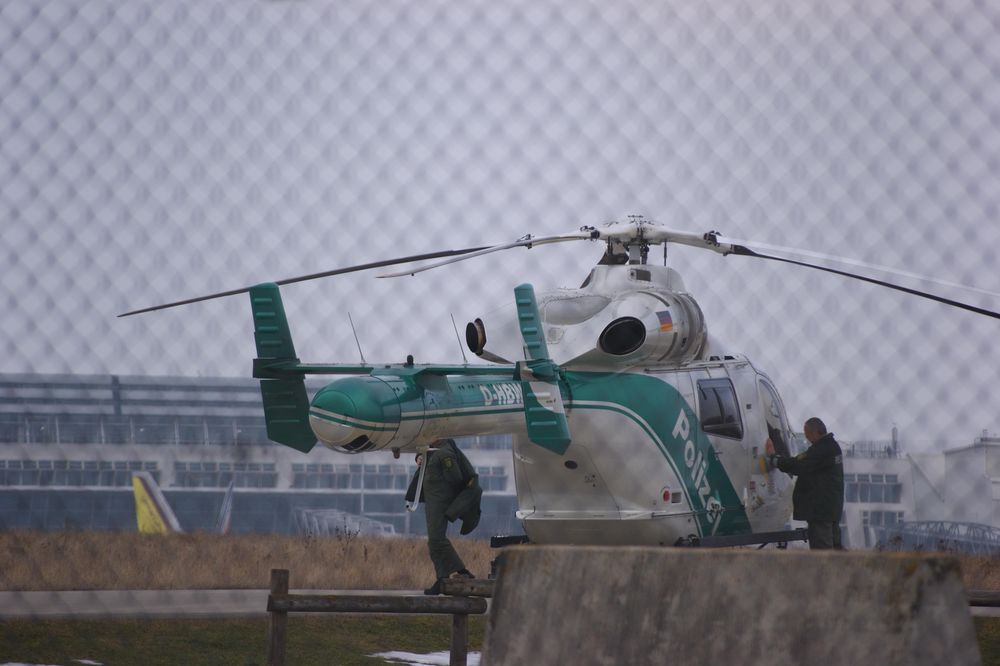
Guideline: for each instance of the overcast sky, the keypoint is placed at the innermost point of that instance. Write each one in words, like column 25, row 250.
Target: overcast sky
column 150, row 153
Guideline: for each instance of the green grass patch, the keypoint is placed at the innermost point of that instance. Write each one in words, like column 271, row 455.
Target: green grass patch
column 988, row 636
column 344, row 640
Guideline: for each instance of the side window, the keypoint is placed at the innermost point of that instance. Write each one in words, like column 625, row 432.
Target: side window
column 720, row 413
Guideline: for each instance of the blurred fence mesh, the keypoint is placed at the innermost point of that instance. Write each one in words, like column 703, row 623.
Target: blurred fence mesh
column 150, row 152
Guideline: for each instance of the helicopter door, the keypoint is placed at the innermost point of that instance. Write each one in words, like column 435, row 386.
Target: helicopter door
column 769, row 501
column 778, row 430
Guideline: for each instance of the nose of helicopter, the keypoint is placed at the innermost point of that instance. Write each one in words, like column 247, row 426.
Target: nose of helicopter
column 354, row 415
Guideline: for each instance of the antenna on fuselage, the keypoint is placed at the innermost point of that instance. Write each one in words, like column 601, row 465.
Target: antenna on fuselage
column 461, row 348
column 361, row 353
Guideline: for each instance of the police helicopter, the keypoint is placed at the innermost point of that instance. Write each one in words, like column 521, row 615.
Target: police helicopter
column 630, row 424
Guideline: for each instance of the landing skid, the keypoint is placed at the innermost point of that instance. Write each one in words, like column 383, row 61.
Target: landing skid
column 500, row 542
column 757, row 538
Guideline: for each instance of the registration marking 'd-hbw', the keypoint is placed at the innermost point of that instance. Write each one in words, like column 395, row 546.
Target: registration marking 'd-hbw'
column 501, row 394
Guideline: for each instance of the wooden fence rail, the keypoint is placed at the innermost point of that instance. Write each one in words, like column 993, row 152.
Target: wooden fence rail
column 460, row 606
column 983, row 598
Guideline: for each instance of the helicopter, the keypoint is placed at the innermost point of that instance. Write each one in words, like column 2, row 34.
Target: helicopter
column 631, row 425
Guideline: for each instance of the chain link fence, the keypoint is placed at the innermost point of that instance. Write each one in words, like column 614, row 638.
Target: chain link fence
column 151, row 152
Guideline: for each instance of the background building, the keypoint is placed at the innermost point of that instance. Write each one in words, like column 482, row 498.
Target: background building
column 878, row 490
column 941, row 501
column 68, row 446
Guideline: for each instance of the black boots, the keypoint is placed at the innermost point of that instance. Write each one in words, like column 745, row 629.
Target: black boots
column 436, row 587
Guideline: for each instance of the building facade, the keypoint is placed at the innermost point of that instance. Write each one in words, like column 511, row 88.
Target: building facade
column 69, row 444
column 932, row 501
column 878, row 491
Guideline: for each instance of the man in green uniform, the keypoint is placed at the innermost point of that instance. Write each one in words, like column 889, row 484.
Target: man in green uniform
column 450, row 491
column 818, row 497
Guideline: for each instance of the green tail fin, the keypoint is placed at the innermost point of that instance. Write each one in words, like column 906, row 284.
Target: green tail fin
column 286, row 412
column 544, row 413
column 270, row 326
column 286, row 404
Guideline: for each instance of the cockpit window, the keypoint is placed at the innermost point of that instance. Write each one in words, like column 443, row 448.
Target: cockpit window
column 590, row 276
column 720, row 413
column 774, row 415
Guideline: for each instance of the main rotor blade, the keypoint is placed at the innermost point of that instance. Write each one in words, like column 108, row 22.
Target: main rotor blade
column 747, row 252
column 313, row 276
column 527, row 241
column 855, row 262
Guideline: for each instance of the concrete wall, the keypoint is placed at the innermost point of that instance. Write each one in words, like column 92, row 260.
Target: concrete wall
column 559, row 605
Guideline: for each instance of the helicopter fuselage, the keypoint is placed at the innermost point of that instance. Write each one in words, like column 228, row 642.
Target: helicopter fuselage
column 665, row 440
column 657, row 454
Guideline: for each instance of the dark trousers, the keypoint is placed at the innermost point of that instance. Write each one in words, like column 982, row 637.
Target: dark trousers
column 824, row 536
column 446, row 560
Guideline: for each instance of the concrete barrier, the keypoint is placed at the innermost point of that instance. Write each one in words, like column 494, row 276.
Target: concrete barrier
column 593, row 605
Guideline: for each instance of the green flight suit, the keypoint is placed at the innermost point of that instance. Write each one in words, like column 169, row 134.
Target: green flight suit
column 443, row 483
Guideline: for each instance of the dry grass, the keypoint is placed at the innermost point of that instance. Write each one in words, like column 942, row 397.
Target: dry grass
column 125, row 560
column 980, row 572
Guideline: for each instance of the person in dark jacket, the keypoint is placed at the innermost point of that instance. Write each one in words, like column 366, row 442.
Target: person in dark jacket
column 818, row 497
column 450, row 492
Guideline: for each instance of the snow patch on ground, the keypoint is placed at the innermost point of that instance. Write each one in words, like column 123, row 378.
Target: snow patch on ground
column 85, row 662
column 432, row 659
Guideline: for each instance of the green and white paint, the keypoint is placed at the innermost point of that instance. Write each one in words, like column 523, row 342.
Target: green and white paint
column 670, row 426
column 367, row 413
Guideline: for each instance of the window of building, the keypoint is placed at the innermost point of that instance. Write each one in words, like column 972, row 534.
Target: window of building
column 873, row 488
column 152, row 430
column 720, row 413
column 342, row 477
column 63, row 473
column 211, row 475
column 492, row 478
column 11, row 428
column 876, row 523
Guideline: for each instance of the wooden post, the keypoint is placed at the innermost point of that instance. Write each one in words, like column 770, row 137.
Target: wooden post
column 459, row 639
column 277, row 621
column 280, row 603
